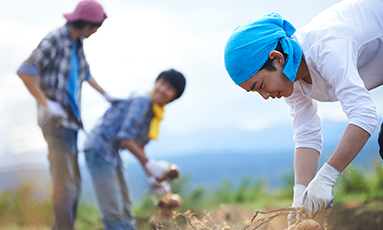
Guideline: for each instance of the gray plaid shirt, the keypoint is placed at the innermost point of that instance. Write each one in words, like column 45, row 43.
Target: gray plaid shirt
column 52, row 60
column 129, row 120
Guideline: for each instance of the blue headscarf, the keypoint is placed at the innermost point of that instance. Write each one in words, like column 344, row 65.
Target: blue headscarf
column 249, row 46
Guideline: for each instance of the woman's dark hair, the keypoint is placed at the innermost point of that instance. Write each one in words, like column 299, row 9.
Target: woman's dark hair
column 79, row 24
column 269, row 63
column 174, row 78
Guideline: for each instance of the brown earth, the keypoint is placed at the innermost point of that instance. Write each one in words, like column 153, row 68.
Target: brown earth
column 349, row 216
column 356, row 216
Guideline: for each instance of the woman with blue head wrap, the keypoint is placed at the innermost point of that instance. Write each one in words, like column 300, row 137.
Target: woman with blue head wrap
column 335, row 57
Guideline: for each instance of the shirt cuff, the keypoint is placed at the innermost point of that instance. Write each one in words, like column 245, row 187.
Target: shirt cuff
column 312, row 145
column 87, row 76
column 28, row 69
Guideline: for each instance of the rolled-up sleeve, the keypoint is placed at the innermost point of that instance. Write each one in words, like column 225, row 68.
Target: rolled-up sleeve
column 27, row 69
column 40, row 57
column 87, row 76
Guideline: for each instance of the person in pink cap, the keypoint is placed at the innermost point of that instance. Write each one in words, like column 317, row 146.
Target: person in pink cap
column 53, row 74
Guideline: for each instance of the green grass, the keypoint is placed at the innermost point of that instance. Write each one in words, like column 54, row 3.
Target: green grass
column 23, row 209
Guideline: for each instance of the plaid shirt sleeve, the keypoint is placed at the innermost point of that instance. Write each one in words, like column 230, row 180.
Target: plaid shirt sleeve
column 133, row 118
column 44, row 53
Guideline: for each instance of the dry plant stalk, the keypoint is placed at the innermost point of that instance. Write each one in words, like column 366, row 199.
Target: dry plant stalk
column 197, row 224
column 206, row 222
column 301, row 223
column 274, row 213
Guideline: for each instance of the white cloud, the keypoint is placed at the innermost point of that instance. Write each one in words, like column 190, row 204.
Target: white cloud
column 27, row 139
column 138, row 41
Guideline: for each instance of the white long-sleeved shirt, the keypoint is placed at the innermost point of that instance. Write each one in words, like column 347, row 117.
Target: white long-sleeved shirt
column 343, row 49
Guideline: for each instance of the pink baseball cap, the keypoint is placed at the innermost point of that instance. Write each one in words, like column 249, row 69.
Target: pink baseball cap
column 87, row 10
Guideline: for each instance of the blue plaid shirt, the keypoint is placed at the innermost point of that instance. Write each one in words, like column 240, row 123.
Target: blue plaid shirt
column 50, row 63
column 129, row 120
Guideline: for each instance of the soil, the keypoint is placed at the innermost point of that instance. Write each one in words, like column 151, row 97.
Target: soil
column 363, row 216
column 349, row 216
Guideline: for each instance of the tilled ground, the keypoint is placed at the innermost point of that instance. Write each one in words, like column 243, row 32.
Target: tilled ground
column 362, row 216
column 349, row 216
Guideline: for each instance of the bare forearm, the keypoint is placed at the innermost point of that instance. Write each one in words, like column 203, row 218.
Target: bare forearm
column 305, row 165
column 306, row 159
column 32, row 86
column 136, row 150
column 92, row 82
column 353, row 140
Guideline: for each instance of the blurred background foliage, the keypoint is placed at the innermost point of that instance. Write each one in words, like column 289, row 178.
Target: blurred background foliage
column 26, row 208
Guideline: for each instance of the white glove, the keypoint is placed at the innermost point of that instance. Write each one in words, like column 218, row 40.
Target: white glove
column 157, row 168
column 319, row 194
column 159, row 188
column 297, row 202
column 55, row 109
column 111, row 99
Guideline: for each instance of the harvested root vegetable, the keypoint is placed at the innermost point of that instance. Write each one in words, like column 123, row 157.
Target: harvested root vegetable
column 175, row 201
column 308, row 224
column 171, row 173
column 170, row 201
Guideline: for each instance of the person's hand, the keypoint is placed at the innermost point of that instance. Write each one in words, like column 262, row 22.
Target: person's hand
column 172, row 172
column 111, row 99
column 157, row 168
column 319, row 194
column 297, row 202
column 55, row 109
column 159, row 188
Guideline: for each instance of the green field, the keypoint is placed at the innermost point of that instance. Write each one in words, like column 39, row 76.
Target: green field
column 358, row 204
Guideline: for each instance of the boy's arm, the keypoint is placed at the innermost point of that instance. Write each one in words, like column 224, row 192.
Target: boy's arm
column 352, row 142
column 306, row 159
column 154, row 169
column 92, row 82
column 137, row 151
column 305, row 165
column 39, row 59
column 51, row 107
column 319, row 194
column 32, row 86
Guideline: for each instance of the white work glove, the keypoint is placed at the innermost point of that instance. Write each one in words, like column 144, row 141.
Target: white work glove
column 111, row 99
column 157, row 168
column 159, row 188
column 297, row 202
column 55, row 109
column 319, row 194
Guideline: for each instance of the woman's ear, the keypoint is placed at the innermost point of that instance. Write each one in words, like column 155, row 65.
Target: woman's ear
column 278, row 56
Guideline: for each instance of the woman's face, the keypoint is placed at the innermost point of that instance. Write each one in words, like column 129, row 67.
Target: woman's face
column 164, row 92
column 268, row 83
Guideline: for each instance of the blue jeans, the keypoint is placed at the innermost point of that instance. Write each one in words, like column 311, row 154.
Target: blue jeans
column 111, row 190
column 65, row 174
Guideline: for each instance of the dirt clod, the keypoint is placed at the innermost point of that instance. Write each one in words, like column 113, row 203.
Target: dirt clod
column 308, row 224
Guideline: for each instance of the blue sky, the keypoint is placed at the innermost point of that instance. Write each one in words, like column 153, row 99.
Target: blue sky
column 138, row 41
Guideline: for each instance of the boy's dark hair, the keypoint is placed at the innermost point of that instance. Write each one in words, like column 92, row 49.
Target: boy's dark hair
column 79, row 24
column 269, row 63
column 174, row 78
